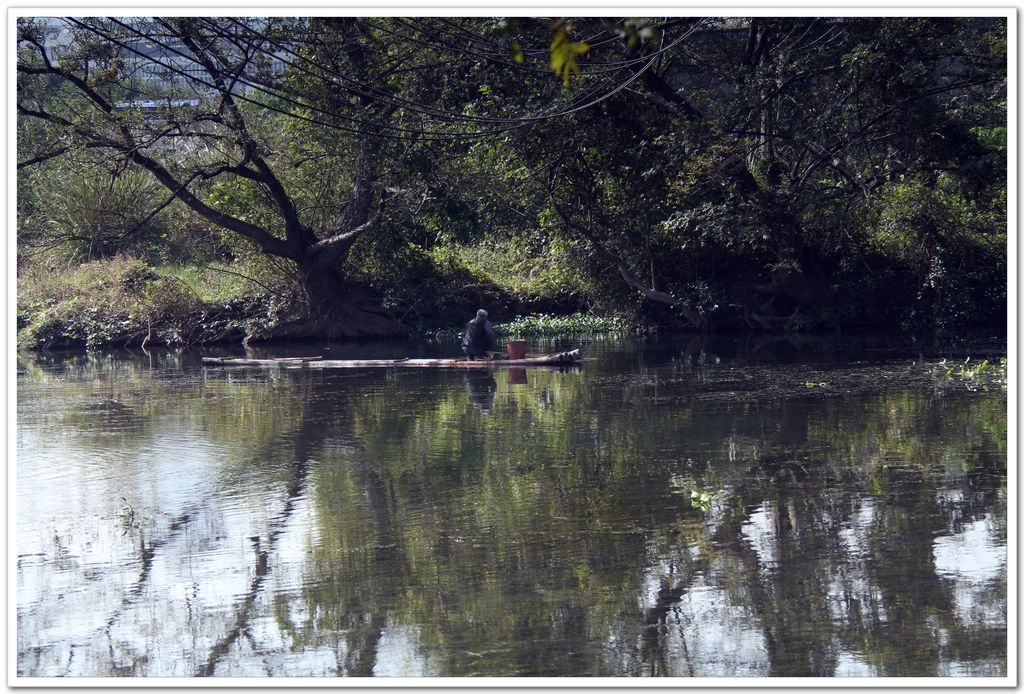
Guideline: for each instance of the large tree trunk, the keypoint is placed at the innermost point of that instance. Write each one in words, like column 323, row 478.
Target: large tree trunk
column 335, row 309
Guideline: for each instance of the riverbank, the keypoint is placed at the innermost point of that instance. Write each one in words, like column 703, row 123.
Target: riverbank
column 124, row 302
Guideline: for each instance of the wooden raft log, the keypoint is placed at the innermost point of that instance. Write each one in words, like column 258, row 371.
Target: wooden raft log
column 243, row 361
column 560, row 358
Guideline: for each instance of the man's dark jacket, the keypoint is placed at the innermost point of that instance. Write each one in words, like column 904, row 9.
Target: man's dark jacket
column 479, row 337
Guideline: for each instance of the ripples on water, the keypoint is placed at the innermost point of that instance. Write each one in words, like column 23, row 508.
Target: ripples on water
column 180, row 521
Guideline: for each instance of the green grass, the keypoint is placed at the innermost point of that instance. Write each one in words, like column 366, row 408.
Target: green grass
column 216, row 282
column 122, row 300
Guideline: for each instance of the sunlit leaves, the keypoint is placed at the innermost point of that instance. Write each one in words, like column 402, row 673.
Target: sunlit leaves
column 564, row 53
column 992, row 137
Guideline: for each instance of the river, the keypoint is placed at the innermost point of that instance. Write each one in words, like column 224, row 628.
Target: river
column 850, row 516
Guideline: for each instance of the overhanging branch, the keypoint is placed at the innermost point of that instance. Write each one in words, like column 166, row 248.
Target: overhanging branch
column 261, row 237
column 695, row 318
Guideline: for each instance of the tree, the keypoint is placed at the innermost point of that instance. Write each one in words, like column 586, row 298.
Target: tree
column 290, row 133
column 748, row 168
column 695, row 165
column 214, row 131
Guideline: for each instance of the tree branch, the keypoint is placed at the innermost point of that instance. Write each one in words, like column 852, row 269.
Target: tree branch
column 347, row 238
column 620, row 265
column 295, row 232
column 131, row 150
column 43, row 157
column 657, row 85
column 51, row 69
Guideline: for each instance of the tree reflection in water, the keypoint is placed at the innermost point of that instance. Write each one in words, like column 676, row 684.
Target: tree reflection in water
column 403, row 523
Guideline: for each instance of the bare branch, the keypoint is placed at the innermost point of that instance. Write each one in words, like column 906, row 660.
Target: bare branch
column 347, row 238
column 43, row 157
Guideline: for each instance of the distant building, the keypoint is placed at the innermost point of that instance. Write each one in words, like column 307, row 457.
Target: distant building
column 155, row 68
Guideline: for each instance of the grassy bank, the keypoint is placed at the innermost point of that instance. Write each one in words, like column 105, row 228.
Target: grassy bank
column 123, row 302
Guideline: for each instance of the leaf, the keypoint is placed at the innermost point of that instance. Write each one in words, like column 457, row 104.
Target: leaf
column 564, row 52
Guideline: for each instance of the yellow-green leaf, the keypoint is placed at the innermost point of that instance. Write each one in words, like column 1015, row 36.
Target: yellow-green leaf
column 564, row 53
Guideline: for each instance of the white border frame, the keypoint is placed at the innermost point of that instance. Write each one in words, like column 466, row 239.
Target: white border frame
column 468, row 8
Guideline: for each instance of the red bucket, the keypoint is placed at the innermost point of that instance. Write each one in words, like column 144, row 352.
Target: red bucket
column 516, row 349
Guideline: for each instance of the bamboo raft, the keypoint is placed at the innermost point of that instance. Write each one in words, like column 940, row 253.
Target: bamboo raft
column 318, row 362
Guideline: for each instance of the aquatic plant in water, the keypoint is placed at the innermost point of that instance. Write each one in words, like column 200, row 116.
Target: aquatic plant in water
column 702, row 499
column 129, row 518
column 575, row 324
column 544, row 325
column 978, row 374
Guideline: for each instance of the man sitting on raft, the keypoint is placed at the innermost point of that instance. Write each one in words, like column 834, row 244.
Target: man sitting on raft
column 480, row 336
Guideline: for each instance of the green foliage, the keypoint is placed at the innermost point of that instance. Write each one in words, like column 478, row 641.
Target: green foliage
column 576, row 324
column 774, row 176
column 423, row 288
column 993, row 137
column 92, row 216
column 703, row 499
column 527, row 268
column 978, row 375
column 211, row 283
column 123, row 301
column 945, row 249
column 542, row 325
column 564, row 53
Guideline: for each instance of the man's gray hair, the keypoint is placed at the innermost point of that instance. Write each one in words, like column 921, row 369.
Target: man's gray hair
column 481, row 314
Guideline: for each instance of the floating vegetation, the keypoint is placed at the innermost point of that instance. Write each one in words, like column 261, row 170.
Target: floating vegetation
column 977, row 375
column 129, row 518
column 544, row 325
column 575, row 324
column 702, row 499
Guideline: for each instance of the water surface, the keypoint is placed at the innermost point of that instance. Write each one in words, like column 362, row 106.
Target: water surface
column 180, row 521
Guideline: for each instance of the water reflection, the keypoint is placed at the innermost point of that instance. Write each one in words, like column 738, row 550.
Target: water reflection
column 517, row 377
column 481, row 386
column 401, row 523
